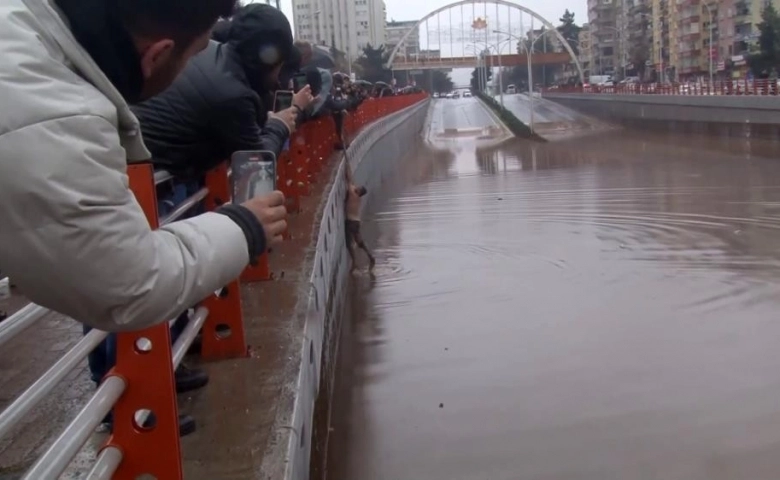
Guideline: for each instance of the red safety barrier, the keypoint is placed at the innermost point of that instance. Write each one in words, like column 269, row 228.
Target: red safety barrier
column 724, row 87
column 223, row 332
column 314, row 143
column 144, row 360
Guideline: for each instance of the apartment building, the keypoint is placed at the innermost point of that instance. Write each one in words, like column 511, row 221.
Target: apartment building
column 606, row 22
column 639, row 34
column 349, row 25
column 395, row 31
column 585, row 51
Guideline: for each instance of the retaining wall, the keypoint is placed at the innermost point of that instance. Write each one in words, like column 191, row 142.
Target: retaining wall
column 735, row 115
column 373, row 154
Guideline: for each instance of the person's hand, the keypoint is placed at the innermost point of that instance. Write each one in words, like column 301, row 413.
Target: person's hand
column 271, row 213
column 288, row 116
column 303, row 98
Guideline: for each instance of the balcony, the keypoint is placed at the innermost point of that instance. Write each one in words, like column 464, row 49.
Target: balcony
column 690, row 53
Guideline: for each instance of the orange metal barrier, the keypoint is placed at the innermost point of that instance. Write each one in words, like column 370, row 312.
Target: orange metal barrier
column 314, row 143
column 145, row 358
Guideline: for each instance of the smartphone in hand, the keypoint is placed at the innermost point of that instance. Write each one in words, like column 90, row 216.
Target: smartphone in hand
column 282, row 100
column 253, row 174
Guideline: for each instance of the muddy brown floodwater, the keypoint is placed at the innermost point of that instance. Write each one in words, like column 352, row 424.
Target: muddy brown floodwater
column 604, row 308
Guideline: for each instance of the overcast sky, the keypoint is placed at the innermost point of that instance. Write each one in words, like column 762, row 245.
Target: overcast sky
column 400, row 10
column 416, row 9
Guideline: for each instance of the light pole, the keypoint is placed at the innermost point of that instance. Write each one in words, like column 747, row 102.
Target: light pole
column 498, row 47
column 528, row 54
column 709, row 50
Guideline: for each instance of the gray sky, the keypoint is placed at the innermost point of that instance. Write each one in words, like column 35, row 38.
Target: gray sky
column 416, row 9
column 551, row 10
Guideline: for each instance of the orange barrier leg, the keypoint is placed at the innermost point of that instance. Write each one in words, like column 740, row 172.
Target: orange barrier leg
column 143, row 360
column 223, row 332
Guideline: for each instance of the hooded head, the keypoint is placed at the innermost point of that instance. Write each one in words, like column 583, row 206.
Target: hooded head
column 263, row 39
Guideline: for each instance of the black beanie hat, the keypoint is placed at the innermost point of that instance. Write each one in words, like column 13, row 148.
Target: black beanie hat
column 262, row 35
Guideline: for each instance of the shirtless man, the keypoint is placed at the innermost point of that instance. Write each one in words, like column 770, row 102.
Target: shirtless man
column 352, row 222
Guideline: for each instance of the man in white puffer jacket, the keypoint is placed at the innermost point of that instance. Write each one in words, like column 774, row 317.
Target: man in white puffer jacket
column 72, row 235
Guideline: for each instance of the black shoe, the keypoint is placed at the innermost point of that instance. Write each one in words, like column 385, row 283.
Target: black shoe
column 187, row 425
column 197, row 345
column 188, row 379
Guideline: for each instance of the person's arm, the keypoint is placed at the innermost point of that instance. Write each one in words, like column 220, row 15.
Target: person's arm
column 74, row 238
column 235, row 123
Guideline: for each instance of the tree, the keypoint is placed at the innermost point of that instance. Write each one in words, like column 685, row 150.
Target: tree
column 570, row 31
column 438, row 81
column 768, row 56
column 480, row 76
column 372, row 64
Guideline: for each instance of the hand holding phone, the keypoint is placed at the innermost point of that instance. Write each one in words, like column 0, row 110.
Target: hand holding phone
column 253, row 174
column 283, row 99
column 303, row 98
column 289, row 117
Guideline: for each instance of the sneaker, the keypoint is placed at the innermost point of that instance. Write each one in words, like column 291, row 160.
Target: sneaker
column 187, row 425
column 188, row 379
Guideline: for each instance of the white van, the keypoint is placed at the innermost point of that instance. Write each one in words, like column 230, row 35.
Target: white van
column 511, row 89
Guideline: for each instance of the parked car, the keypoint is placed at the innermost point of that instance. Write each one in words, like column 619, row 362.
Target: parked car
column 511, row 90
column 466, row 94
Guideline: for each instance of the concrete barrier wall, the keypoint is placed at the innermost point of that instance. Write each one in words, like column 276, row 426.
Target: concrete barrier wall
column 729, row 115
column 375, row 152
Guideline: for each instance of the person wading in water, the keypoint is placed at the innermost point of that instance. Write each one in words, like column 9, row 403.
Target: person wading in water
column 352, row 222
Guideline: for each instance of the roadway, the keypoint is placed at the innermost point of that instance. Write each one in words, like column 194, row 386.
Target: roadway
column 596, row 308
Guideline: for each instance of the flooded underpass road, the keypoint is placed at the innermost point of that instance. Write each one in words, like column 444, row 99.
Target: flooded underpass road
column 604, row 308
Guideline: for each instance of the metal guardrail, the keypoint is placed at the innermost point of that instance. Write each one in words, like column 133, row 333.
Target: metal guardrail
column 60, row 454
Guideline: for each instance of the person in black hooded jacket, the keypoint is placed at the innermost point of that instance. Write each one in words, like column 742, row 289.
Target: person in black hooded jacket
column 219, row 104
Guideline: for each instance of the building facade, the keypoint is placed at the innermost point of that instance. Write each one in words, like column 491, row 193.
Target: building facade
column 348, row 25
column 395, row 31
column 605, row 21
column 585, row 51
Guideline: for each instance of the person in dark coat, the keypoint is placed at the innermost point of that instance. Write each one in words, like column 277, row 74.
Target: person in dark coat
column 220, row 103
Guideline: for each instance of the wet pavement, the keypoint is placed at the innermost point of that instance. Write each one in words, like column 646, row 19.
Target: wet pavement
column 602, row 308
column 551, row 120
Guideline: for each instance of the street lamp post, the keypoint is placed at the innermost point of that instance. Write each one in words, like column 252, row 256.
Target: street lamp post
column 528, row 54
column 498, row 47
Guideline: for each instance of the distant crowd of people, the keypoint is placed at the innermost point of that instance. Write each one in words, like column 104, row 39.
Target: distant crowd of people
column 89, row 86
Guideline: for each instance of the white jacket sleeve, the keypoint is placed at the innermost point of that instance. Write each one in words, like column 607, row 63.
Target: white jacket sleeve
column 74, row 239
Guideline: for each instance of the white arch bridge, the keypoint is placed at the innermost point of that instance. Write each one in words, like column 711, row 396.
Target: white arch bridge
column 465, row 32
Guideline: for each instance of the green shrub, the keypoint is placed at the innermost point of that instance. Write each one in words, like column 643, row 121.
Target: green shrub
column 518, row 128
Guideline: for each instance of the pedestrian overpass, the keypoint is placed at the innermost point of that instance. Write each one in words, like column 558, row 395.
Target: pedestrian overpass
column 511, row 60
column 468, row 33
